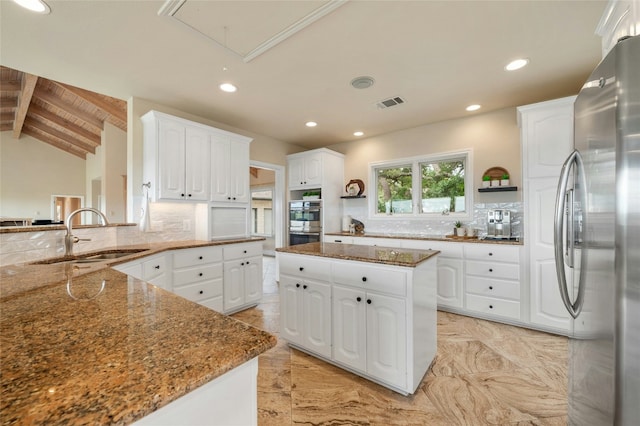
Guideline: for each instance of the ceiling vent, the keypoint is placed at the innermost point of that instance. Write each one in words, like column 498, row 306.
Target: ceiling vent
column 386, row 103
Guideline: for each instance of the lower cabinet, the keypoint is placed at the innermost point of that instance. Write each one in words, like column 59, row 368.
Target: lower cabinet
column 226, row 278
column 305, row 313
column 197, row 275
column 242, row 276
column 378, row 321
column 369, row 332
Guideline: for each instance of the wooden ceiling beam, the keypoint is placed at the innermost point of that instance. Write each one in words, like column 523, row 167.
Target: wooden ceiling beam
column 9, row 103
column 98, row 101
column 51, row 99
column 65, row 146
column 24, row 100
column 10, row 86
column 93, row 138
column 60, row 135
column 6, row 126
column 7, row 116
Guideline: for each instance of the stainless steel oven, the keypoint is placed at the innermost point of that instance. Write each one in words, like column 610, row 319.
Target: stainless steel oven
column 305, row 221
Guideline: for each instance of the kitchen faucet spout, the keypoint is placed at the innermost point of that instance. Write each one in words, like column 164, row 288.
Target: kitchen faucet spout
column 69, row 239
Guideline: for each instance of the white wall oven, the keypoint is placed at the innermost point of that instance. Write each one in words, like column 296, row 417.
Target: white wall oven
column 305, row 222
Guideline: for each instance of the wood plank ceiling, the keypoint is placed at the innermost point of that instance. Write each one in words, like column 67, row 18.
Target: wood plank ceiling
column 66, row 117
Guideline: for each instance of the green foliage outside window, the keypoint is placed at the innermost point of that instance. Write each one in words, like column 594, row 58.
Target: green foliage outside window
column 394, row 189
column 442, row 180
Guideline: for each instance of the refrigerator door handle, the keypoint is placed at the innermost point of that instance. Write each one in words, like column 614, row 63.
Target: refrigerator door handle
column 569, row 235
column 558, row 233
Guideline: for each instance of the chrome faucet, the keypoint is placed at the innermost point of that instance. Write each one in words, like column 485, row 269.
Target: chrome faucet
column 69, row 239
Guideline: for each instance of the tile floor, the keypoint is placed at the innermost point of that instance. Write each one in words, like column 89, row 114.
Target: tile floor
column 484, row 373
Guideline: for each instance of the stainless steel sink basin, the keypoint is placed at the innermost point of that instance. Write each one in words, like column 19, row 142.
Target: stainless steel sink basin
column 90, row 257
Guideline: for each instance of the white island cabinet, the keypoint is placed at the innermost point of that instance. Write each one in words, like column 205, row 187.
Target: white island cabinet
column 371, row 311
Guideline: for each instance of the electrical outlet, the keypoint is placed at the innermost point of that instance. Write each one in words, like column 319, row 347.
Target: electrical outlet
column 186, row 225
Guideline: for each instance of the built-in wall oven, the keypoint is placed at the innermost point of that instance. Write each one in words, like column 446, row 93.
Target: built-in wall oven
column 305, row 222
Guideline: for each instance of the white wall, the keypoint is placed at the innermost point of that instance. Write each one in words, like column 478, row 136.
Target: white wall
column 114, row 172
column 494, row 138
column 31, row 171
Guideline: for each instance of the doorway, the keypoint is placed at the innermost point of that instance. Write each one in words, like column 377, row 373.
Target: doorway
column 63, row 205
column 267, row 204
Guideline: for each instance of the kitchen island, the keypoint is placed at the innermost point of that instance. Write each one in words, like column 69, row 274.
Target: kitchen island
column 85, row 344
column 369, row 310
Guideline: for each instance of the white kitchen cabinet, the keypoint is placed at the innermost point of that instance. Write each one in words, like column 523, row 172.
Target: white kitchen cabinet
column 176, row 159
column 230, row 169
column 319, row 169
column 305, row 171
column 450, row 270
column 492, row 280
column 546, row 135
column 620, row 18
column 305, row 313
column 375, row 320
column 152, row 269
column 198, row 275
column 242, row 276
column 540, row 180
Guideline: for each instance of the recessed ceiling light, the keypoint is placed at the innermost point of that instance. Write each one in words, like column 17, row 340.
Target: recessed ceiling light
column 228, row 87
column 363, row 82
column 473, row 107
column 516, row 65
column 37, row 6
column 358, row 133
column 311, row 124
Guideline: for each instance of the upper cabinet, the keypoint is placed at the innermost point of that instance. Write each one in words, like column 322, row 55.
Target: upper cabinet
column 229, row 170
column 189, row 161
column 620, row 18
column 305, row 171
column 545, row 129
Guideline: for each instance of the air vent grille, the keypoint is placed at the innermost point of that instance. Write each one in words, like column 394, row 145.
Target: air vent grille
column 386, row 103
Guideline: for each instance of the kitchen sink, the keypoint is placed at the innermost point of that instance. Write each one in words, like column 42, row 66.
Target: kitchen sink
column 90, row 257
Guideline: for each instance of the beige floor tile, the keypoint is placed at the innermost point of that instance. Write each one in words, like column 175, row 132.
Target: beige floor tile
column 484, row 373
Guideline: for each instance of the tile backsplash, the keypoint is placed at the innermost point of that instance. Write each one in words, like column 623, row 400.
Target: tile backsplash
column 357, row 209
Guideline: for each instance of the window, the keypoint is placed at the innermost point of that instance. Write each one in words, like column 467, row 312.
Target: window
column 444, row 183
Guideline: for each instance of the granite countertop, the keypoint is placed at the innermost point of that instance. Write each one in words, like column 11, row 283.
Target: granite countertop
column 374, row 254
column 94, row 346
column 517, row 241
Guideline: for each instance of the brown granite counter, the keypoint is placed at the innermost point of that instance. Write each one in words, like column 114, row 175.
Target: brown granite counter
column 362, row 253
column 94, row 346
column 517, row 242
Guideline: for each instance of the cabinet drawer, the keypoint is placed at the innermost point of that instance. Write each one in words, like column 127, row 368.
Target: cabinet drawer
column 370, row 277
column 196, row 274
column 453, row 250
column 236, row 251
column 200, row 291
column 151, row 268
column 492, row 252
column 338, row 239
column 196, row 256
column 306, row 267
column 494, row 288
column 507, row 271
column 492, row 306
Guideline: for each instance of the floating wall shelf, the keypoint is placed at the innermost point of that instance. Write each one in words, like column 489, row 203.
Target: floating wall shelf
column 498, row 189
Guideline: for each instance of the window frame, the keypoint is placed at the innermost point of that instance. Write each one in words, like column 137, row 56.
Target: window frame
column 416, row 162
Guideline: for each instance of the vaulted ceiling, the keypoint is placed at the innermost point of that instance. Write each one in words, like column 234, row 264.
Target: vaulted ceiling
column 64, row 116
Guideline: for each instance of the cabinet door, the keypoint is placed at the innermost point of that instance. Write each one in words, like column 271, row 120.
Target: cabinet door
column 316, row 313
column 349, row 327
column 546, row 304
column 313, row 169
column 197, row 164
column 450, row 278
column 171, row 160
column 233, row 285
column 253, row 280
column 291, row 309
column 387, row 339
column 220, row 168
column 547, row 136
column 239, row 169
column 295, row 168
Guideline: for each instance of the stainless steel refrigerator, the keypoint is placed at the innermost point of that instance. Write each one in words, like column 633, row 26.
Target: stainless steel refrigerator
column 597, row 243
